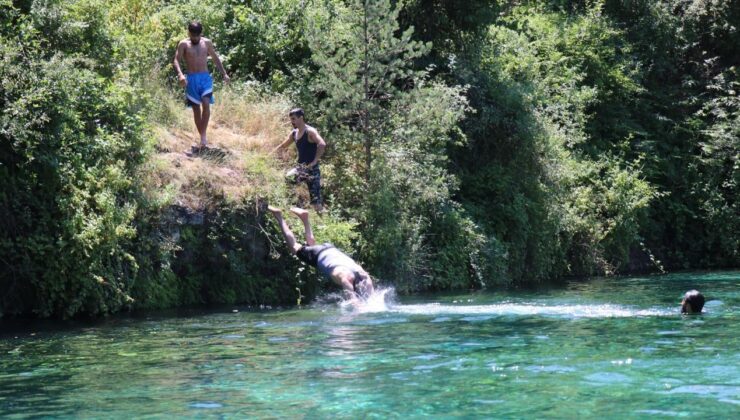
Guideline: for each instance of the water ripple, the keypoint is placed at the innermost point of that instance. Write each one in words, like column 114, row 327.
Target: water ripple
column 206, row 405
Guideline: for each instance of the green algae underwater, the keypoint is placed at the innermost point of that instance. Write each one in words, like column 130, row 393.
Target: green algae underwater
column 610, row 347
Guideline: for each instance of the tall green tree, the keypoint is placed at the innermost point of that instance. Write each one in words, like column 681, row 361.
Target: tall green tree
column 364, row 69
column 392, row 122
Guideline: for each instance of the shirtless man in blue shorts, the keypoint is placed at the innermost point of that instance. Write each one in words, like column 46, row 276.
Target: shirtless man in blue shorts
column 329, row 260
column 198, row 84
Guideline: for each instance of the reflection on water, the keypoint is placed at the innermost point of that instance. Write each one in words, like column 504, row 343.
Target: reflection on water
column 607, row 346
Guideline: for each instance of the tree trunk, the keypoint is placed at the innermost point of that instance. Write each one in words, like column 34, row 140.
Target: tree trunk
column 366, row 111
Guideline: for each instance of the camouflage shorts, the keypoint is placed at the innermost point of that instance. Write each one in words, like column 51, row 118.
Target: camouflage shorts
column 312, row 178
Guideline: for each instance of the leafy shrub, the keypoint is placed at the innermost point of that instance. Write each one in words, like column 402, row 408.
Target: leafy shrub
column 70, row 142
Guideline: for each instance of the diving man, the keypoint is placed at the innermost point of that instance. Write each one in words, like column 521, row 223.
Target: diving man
column 328, row 259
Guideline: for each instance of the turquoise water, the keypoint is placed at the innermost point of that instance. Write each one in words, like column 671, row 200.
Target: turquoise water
column 607, row 347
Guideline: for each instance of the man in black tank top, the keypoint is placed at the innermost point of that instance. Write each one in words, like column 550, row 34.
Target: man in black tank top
column 310, row 146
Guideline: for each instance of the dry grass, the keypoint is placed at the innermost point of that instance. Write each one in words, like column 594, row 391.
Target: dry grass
column 243, row 130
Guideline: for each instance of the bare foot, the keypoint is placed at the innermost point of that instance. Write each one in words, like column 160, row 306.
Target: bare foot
column 275, row 211
column 301, row 213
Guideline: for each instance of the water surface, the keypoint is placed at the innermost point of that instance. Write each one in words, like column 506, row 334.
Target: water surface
column 607, row 347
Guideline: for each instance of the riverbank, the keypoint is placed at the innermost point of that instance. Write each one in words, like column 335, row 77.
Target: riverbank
column 209, row 226
column 531, row 143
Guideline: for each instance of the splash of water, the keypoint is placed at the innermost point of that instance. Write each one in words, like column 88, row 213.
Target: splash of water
column 378, row 301
column 571, row 311
column 384, row 300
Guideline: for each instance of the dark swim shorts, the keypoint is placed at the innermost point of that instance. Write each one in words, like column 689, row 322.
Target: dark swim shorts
column 310, row 254
column 311, row 177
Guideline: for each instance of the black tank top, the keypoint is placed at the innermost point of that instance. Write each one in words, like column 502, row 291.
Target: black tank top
column 306, row 149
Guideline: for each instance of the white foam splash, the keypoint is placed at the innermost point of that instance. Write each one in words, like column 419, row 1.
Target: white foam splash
column 571, row 311
column 378, row 301
column 383, row 300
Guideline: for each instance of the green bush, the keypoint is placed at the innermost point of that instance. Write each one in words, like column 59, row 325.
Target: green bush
column 555, row 91
column 69, row 145
column 266, row 40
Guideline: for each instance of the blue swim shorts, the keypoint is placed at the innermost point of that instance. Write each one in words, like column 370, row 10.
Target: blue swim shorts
column 199, row 85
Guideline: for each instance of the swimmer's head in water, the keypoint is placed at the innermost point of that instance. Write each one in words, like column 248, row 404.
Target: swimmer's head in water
column 692, row 303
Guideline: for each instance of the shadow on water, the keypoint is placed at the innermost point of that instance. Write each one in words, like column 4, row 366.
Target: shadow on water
column 25, row 326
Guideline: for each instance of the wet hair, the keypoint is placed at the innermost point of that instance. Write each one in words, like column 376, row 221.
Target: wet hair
column 298, row 112
column 195, row 28
column 695, row 300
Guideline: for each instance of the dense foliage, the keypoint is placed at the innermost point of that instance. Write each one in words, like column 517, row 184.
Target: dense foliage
column 606, row 133
column 70, row 141
column 470, row 143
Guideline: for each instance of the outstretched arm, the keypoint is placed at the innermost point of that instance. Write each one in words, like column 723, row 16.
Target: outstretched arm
column 219, row 65
column 179, row 52
column 283, row 145
column 315, row 137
